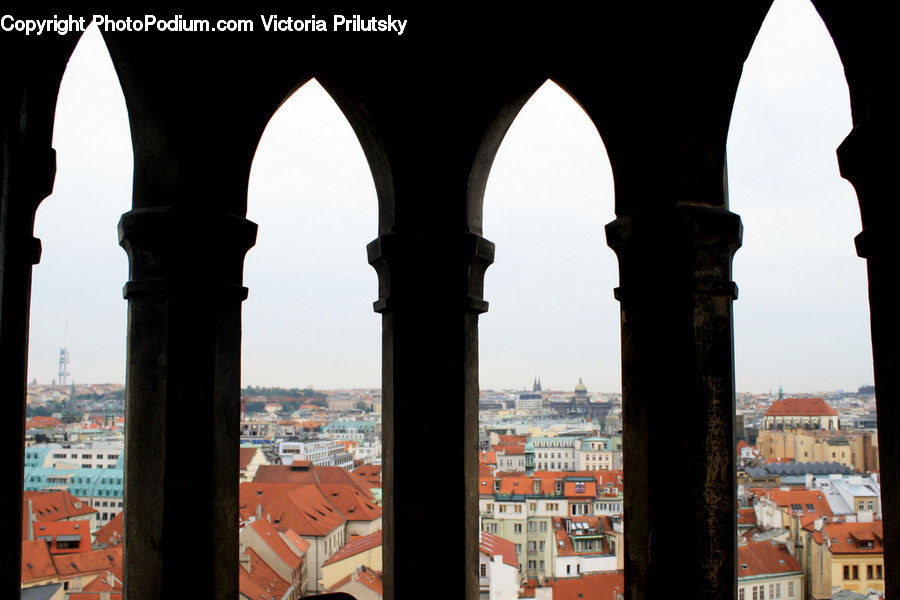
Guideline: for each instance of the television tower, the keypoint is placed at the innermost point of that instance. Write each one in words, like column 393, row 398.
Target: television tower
column 64, row 359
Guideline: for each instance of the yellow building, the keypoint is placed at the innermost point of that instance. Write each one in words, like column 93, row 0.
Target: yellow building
column 846, row 555
column 856, row 450
column 365, row 550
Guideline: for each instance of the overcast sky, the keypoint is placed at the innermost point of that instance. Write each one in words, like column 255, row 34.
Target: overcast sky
column 801, row 319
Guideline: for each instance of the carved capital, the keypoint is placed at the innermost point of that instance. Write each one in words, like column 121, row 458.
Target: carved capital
column 392, row 253
column 691, row 246
column 168, row 247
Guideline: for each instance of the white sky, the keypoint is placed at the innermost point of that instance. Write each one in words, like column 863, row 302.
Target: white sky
column 801, row 319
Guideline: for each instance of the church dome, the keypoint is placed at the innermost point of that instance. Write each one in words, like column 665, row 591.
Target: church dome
column 580, row 387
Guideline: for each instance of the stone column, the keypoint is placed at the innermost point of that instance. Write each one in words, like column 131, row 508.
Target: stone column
column 183, row 401
column 430, row 296
column 676, row 299
column 867, row 159
column 29, row 166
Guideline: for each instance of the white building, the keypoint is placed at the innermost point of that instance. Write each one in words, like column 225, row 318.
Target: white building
column 322, row 453
column 498, row 568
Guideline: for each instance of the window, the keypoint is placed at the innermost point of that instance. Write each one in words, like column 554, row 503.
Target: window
column 518, row 508
column 855, row 571
column 482, row 570
column 878, row 573
column 741, row 594
column 518, row 548
column 531, row 525
column 517, row 528
column 846, row 571
column 869, row 572
column 790, row 589
column 542, row 526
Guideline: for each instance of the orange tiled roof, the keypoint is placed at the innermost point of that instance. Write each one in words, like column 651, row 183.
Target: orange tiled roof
column 54, row 529
column 563, row 539
column 509, row 450
column 512, row 440
column 113, row 533
column 303, row 508
column 853, row 538
column 800, row 407
column 273, row 540
column 356, row 546
column 589, row 585
column 371, row 579
column 314, row 474
column 746, row 516
column 96, row 561
column 36, row 561
column 805, row 498
column 247, row 455
column 265, row 576
column 494, row 545
column 765, row 558
column 294, row 539
column 56, row 506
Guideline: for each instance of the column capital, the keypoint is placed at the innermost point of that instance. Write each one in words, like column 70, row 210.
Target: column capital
column 467, row 250
column 693, row 243
column 166, row 245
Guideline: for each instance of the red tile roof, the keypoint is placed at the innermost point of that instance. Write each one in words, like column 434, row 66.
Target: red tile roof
column 110, row 581
column 800, row 407
column 113, row 533
column 509, row 450
column 56, row 506
column 356, row 546
column 371, row 579
column 315, row 474
column 512, row 440
column 563, row 540
column 370, row 473
column 746, row 516
column 805, row 498
column 765, row 558
column 853, row 538
column 494, row 545
column 96, row 561
column 588, row 585
column 265, row 577
column 71, row 529
column 303, row 508
column 273, row 540
column 247, row 455
column 36, row 561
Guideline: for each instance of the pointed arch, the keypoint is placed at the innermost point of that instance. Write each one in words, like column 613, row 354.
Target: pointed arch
column 791, row 112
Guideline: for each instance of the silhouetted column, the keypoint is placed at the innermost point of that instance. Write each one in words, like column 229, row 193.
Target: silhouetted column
column 183, row 400
column 868, row 159
column 676, row 299
column 430, row 296
column 29, row 166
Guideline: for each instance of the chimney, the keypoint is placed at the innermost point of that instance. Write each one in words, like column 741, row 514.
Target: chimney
column 30, row 522
column 819, row 523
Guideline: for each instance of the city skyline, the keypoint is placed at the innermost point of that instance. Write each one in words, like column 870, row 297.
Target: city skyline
column 548, row 198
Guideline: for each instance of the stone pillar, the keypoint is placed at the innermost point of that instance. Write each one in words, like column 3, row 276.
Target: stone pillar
column 29, row 166
column 430, row 296
column 183, row 401
column 676, row 299
column 867, row 159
